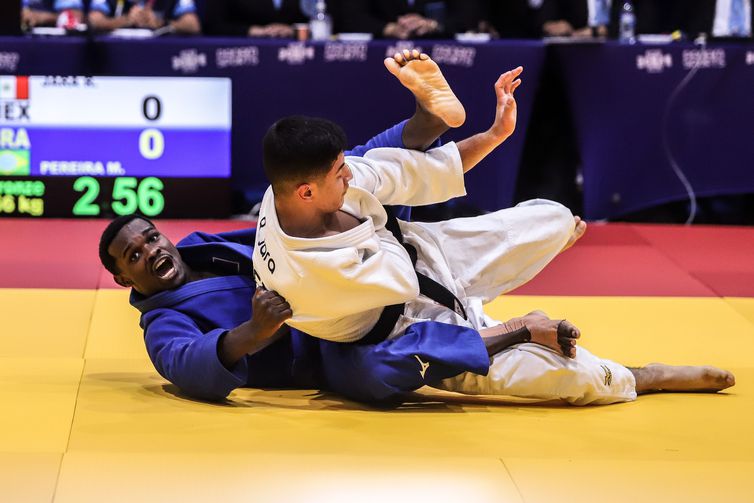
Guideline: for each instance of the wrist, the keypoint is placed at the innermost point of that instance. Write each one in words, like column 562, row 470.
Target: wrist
column 244, row 334
column 494, row 137
column 505, row 335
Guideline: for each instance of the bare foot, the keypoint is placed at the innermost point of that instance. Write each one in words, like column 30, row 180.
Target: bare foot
column 578, row 232
column 661, row 377
column 420, row 75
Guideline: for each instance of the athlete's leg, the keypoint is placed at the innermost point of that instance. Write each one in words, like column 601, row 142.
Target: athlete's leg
column 488, row 255
column 660, row 377
column 537, row 373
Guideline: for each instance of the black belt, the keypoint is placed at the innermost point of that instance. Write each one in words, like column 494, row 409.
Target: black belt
column 427, row 286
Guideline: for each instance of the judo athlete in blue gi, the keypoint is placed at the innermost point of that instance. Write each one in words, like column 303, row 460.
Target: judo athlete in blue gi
column 184, row 329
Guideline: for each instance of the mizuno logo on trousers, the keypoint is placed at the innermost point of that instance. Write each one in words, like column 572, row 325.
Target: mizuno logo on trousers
column 608, row 375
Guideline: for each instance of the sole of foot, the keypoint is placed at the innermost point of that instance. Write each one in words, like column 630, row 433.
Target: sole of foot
column 420, row 75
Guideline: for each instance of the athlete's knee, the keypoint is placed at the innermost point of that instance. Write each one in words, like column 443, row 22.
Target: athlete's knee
column 553, row 219
column 560, row 214
column 551, row 210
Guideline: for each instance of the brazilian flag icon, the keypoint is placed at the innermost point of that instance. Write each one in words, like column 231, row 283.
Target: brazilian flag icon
column 14, row 163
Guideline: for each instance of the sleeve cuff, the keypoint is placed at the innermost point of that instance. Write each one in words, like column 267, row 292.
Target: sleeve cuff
column 456, row 181
column 236, row 375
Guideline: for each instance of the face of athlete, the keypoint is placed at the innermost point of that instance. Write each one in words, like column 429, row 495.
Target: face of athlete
column 146, row 259
column 331, row 189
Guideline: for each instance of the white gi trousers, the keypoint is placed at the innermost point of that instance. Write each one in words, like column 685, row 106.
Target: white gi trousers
column 479, row 259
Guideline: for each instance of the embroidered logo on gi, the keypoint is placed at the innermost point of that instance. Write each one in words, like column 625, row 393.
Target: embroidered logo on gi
column 424, row 366
column 608, row 375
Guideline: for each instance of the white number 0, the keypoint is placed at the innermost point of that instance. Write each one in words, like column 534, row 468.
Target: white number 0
column 151, row 144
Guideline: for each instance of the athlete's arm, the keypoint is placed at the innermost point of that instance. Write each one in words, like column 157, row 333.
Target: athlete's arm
column 269, row 311
column 187, row 355
column 477, row 147
column 410, row 177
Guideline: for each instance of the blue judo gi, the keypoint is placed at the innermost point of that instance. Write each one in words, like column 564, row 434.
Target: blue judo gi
column 182, row 328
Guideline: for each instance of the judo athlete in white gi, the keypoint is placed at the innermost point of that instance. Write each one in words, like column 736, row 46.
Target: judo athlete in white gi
column 326, row 243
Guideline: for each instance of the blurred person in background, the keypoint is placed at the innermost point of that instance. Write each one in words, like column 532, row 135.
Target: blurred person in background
column 406, row 19
column 46, row 12
column 720, row 18
column 253, row 18
column 685, row 17
column 667, row 17
column 574, row 18
column 600, row 18
column 548, row 18
column 726, row 18
column 179, row 15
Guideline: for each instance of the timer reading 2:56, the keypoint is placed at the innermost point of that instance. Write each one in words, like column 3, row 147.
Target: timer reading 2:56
column 129, row 195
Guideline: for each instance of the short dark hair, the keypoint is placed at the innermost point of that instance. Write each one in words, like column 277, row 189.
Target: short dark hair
column 297, row 148
column 112, row 230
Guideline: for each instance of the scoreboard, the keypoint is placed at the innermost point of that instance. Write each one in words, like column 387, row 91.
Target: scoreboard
column 108, row 146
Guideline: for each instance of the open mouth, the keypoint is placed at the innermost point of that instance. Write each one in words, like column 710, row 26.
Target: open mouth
column 164, row 267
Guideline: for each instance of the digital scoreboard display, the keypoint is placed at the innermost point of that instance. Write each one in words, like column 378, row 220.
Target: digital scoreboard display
column 108, row 146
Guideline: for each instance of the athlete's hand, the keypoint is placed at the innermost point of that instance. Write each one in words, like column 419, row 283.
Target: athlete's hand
column 506, row 112
column 559, row 335
column 269, row 312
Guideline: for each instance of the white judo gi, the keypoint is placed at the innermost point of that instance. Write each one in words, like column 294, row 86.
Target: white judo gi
column 338, row 285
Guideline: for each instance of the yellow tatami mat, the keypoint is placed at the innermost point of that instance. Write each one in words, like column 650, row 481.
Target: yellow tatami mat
column 28, row 477
column 639, row 330
column 247, row 477
column 565, row 480
column 744, row 306
column 114, row 331
column 38, row 397
column 44, row 322
column 107, row 427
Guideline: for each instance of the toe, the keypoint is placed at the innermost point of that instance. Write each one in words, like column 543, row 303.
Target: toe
column 392, row 66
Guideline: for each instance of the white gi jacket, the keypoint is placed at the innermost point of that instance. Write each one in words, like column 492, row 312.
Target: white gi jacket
column 338, row 285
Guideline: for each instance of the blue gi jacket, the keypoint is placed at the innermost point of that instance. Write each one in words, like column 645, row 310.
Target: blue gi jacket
column 182, row 328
